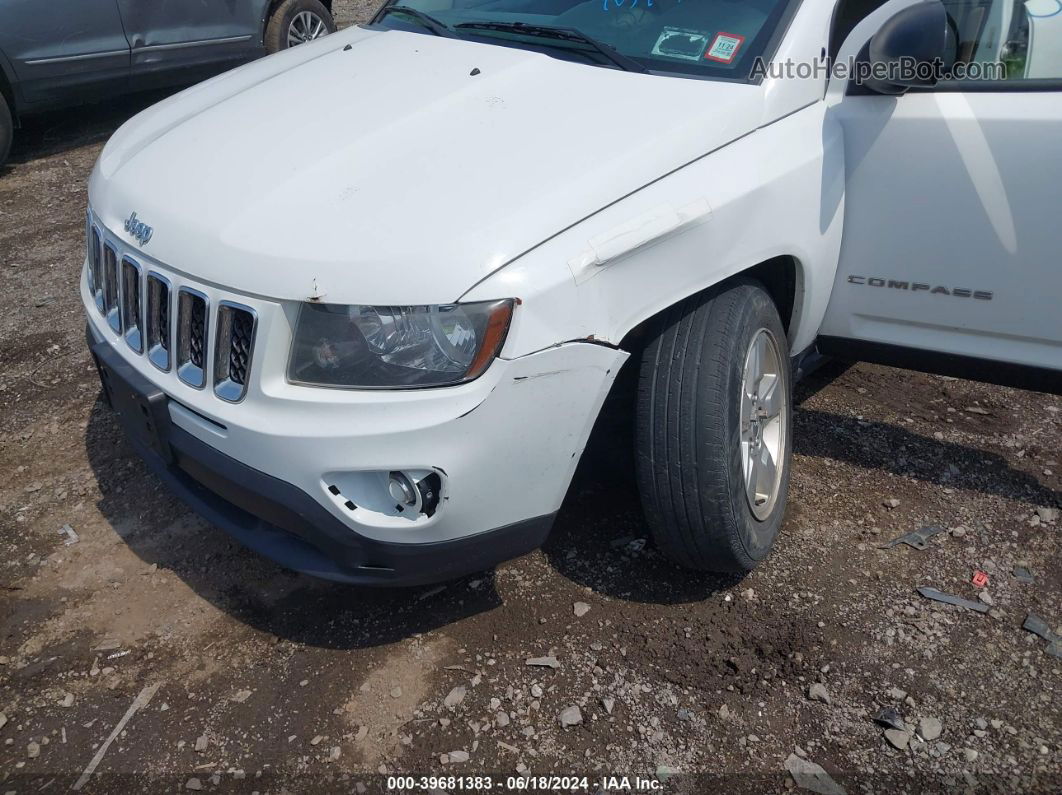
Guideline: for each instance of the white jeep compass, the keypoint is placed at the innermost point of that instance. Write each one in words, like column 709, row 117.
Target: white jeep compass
column 360, row 303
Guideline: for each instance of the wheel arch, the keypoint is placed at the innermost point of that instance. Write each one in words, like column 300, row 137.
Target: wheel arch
column 782, row 277
column 272, row 6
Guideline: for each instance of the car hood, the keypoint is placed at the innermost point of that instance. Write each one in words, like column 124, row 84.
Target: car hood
column 390, row 167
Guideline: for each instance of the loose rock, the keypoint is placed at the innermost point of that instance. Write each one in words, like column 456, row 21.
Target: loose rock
column 543, row 662
column 571, row 716
column 898, row 739
column 817, row 692
column 929, row 728
column 1047, row 515
column 455, row 696
column 810, row 776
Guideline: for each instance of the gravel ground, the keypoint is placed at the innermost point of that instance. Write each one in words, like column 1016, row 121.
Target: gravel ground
column 246, row 677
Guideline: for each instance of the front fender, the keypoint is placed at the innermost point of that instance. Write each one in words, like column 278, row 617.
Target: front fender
column 775, row 192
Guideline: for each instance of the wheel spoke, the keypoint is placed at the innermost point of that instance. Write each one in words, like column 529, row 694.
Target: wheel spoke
column 751, row 461
column 770, row 395
column 763, row 355
column 772, row 434
column 748, row 406
column 765, row 475
column 754, row 367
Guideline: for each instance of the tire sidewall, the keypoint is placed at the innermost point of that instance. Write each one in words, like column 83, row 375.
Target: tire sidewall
column 755, row 537
column 7, row 129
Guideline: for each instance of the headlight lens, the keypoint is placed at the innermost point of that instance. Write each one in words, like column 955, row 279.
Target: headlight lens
column 395, row 347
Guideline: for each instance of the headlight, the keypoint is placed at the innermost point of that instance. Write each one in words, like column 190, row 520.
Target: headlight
column 395, row 347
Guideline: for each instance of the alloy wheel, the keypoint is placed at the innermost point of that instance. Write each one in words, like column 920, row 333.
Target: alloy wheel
column 305, row 26
column 764, row 417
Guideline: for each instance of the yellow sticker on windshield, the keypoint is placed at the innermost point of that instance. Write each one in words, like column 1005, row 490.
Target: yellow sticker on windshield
column 678, row 43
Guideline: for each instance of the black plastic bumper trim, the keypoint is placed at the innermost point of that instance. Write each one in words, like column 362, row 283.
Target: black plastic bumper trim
column 285, row 524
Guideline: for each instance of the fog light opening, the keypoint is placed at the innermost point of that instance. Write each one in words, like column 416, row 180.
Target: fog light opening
column 421, row 496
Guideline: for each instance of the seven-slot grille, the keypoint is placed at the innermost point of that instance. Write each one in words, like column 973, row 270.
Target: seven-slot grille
column 175, row 328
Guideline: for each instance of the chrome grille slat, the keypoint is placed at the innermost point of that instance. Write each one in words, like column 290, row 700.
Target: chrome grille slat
column 111, row 293
column 159, row 331
column 192, row 336
column 132, row 317
column 95, row 255
column 234, row 344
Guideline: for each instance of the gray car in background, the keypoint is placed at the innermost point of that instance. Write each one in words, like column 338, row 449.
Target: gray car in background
column 55, row 53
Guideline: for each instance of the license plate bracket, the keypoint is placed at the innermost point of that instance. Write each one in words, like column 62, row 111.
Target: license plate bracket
column 142, row 408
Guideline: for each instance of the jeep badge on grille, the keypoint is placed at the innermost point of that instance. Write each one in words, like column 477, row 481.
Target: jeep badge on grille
column 138, row 229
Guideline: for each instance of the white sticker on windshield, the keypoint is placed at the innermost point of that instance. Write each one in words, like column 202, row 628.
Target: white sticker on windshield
column 725, row 47
column 678, row 43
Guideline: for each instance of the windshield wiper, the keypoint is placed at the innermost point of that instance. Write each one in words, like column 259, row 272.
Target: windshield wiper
column 426, row 20
column 559, row 34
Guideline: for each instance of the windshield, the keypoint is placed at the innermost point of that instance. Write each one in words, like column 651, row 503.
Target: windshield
column 706, row 38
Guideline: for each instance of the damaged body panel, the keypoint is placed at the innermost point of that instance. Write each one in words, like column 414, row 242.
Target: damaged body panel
column 338, row 443
column 409, row 330
column 163, row 35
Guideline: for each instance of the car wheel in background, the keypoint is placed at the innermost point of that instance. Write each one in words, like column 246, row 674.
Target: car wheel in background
column 714, row 428
column 7, row 129
column 297, row 22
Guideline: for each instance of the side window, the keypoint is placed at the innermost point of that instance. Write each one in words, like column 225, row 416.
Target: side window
column 1022, row 37
column 988, row 39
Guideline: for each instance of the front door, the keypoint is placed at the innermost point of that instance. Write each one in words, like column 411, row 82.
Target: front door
column 64, row 48
column 171, row 34
column 951, row 257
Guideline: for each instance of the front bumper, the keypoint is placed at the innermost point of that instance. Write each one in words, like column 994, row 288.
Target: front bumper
column 507, row 463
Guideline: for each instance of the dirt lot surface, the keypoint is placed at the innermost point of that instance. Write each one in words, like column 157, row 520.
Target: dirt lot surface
column 246, row 677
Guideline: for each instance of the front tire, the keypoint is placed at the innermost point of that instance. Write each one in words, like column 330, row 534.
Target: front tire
column 296, row 22
column 714, row 438
column 7, row 129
